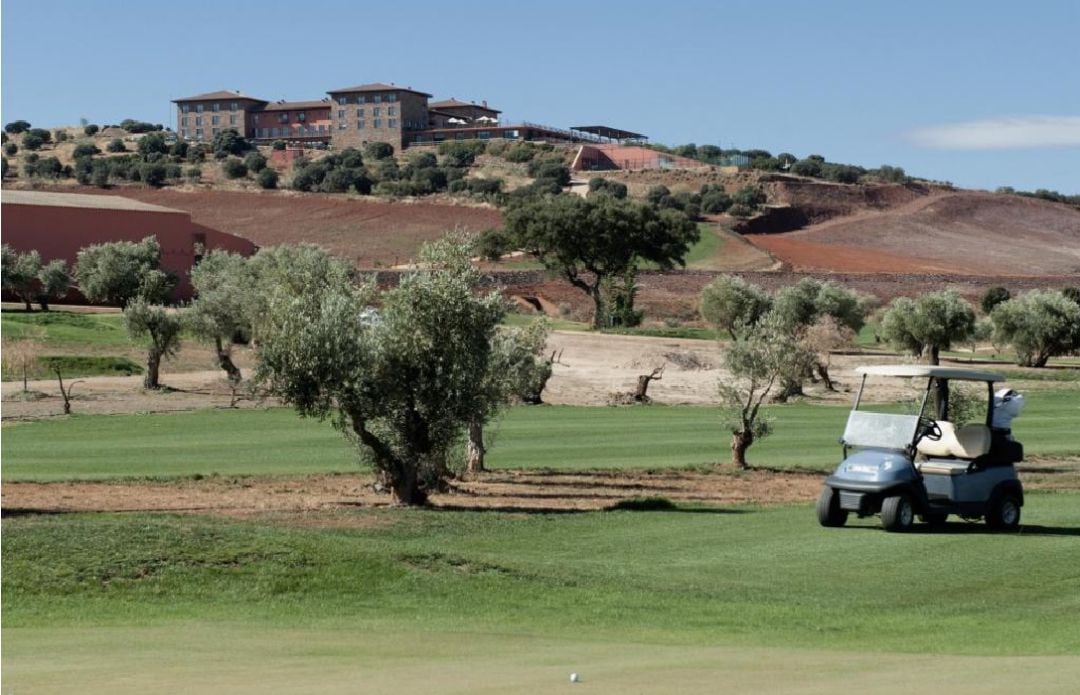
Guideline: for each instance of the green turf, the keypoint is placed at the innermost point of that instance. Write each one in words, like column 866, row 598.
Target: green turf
column 557, row 324
column 239, row 442
column 74, row 366
column 66, row 329
column 694, row 576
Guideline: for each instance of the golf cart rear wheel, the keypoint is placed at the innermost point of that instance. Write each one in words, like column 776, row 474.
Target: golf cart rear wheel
column 1004, row 513
column 897, row 514
column 829, row 512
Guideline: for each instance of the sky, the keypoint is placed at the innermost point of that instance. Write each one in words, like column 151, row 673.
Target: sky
column 979, row 93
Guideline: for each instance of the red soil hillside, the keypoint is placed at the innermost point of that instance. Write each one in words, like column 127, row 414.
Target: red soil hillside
column 370, row 232
column 961, row 232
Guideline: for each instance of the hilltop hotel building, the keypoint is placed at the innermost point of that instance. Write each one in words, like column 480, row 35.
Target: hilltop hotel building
column 354, row 116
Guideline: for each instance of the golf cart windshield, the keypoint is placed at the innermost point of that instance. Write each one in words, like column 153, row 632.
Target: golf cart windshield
column 880, row 430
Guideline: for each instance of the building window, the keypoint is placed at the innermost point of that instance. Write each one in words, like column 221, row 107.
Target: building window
column 214, row 120
column 186, row 108
column 391, row 123
column 198, row 108
column 391, row 97
column 343, row 100
column 285, row 131
column 360, row 124
column 256, row 118
column 377, row 98
column 273, row 132
column 215, row 131
column 341, row 113
column 198, row 134
column 360, row 98
column 198, row 120
column 391, row 110
column 283, row 118
column 377, row 123
column 232, row 120
column 233, row 106
column 322, row 128
column 302, row 116
column 217, row 107
column 360, row 112
column 341, row 126
column 376, row 111
column 183, row 121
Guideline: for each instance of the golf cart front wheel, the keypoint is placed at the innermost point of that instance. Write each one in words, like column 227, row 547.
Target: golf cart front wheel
column 897, row 514
column 829, row 512
column 1004, row 513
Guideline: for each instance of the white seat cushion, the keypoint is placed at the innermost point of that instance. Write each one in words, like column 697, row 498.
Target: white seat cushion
column 969, row 442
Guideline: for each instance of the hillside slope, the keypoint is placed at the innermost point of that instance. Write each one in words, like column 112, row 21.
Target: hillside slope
column 961, row 232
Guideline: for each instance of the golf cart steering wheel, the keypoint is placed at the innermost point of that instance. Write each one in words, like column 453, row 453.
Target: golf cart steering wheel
column 929, row 429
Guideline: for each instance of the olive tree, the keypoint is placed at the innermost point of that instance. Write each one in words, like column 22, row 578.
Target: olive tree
column 221, row 310
column 514, row 370
column 404, row 382
column 160, row 332
column 20, row 274
column 761, row 357
column 729, row 302
column 1038, row 325
column 810, row 302
column 54, row 280
column 116, row 272
column 929, row 324
column 588, row 241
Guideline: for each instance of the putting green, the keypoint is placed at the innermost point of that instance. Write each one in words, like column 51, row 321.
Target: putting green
column 223, row 658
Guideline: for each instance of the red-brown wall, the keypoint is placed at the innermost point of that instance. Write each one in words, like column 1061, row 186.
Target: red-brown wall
column 59, row 232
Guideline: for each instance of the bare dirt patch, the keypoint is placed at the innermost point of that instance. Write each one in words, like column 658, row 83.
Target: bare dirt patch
column 325, row 500
column 962, row 232
column 333, row 500
column 370, row 232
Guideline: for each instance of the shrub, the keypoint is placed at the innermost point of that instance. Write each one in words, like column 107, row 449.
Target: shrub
column 45, row 168
column 749, row 196
column 179, row 149
column 550, row 169
column 267, row 178
column 604, row 186
column 91, row 129
column 133, row 126
column 32, row 142
column 116, row 145
column 1038, row 325
column 152, row 143
column 378, row 150
column 11, row 148
column 17, row 127
column 807, row 167
column 461, row 153
column 519, row 152
column 194, row 174
column 715, row 202
column 740, row 210
column 255, row 162
column 278, row 145
column 233, row 168
column 45, row 135
column 229, row 142
column 993, row 297
column 99, row 175
column 153, row 174
column 61, row 136
column 85, row 150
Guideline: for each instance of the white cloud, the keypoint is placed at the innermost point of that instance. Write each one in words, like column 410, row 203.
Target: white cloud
column 1020, row 132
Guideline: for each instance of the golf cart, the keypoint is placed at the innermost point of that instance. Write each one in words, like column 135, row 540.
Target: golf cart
column 901, row 466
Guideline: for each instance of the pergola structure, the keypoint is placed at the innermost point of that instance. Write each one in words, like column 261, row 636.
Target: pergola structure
column 611, row 134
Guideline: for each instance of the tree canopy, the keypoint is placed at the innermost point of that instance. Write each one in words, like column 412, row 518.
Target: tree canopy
column 730, row 303
column 114, row 273
column 930, row 323
column 1038, row 325
column 402, row 381
column 587, row 241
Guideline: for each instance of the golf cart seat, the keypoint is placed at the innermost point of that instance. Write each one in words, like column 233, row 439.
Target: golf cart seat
column 969, row 442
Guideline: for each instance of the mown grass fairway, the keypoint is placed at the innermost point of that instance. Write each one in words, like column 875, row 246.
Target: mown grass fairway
column 66, row 329
column 251, row 442
column 493, row 602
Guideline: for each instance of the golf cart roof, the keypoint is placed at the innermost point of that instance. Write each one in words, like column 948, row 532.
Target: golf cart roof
column 918, row 370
